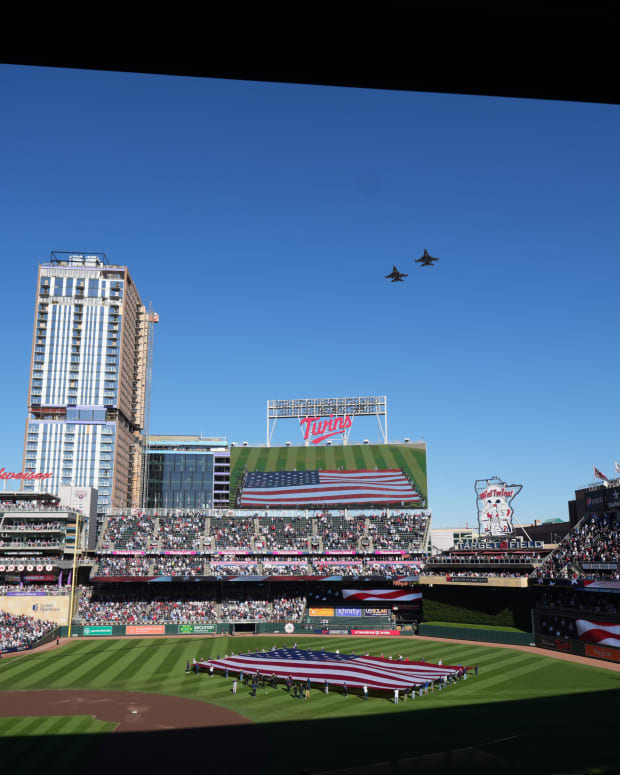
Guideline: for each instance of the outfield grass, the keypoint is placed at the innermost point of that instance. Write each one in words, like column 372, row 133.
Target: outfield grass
column 561, row 715
column 468, row 626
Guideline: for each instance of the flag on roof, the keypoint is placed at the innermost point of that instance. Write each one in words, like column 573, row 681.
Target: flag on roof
column 288, row 488
column 601, row 633
column 599, row 475
column 321, row 666
column 616, row 467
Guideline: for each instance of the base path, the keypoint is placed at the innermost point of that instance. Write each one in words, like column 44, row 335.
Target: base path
column 154, row 732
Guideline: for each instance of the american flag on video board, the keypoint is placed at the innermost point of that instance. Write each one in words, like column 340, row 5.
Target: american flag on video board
column 289, row 488
column 319, row 666
column 601, row 633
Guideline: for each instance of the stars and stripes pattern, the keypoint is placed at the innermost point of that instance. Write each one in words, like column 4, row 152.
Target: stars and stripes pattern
column 402, row 595
column 291, row 488
column 336, row 669
column 601, row 633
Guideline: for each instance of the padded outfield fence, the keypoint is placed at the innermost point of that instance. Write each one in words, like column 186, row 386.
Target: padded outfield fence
column 467, row 633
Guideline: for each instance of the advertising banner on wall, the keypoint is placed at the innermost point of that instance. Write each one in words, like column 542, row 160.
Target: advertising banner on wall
column 494, row 505
column 197, row 629
column 595, row 501
column 89, row 632
column 348, row 611
column 321, row 612
column 145, row 629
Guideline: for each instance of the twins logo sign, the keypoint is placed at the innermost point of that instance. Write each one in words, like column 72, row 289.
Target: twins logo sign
column 494, row 503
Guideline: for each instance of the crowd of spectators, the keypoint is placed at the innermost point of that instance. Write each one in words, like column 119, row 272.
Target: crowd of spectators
column 181, row 532
column 245, row 610
column 182, row 611
column 591, row 602
column 9, row 541
column 125, row 565
column 132, row 532
column 488, row 558
column 37, row 562
column 285, row 568
column 112, row 607
column 184, row 605
column 340, row 532
column 178, row 565
column 231, row 533
column 282, row 534
column 233, row 569
column 391, row 569
column 403, row 531
column 596, row 539
column 343, row 568
column 475, row 574
column 191, row 531
column 19, row 631
column 32, row 525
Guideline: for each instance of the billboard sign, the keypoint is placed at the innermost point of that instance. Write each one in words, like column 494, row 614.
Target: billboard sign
column 316, row 429
column 348, row 611
column 145, row 629
column 197, row 629
column 494, row 505
column 595, row 501
column 321, row 612
column 613, row 498
column 97, row 630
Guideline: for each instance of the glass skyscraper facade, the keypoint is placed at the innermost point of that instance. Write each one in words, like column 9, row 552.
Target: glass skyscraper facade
column 88, row 379
column 187, row 472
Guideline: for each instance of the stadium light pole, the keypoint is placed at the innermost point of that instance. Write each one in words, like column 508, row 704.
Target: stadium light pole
column 76, row 547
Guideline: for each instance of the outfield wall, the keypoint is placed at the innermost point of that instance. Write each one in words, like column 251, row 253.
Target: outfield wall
column 488, row 636
column 53, row 608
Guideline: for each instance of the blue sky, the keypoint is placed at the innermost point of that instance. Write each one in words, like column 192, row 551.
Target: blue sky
column 260, row 220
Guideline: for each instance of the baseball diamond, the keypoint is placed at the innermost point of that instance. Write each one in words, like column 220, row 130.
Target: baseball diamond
column 519, row 695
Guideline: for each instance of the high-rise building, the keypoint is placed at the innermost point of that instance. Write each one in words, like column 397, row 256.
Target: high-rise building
column 88, row 380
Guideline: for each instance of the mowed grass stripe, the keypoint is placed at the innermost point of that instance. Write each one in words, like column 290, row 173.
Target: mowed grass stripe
column 527, row 666
column 34, row 670
column 123, row 668
column 82, row 668
column 170, row 662
column 151, row 666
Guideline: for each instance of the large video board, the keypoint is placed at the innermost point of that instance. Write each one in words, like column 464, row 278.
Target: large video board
column 338, row 477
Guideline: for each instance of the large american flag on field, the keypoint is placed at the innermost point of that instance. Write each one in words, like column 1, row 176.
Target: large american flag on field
column 337, row 669
column 601, row 633
column 290, row 488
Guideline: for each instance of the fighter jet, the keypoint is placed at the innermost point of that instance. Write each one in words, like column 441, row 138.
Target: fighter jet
column 426, row 259
column 397, row 277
